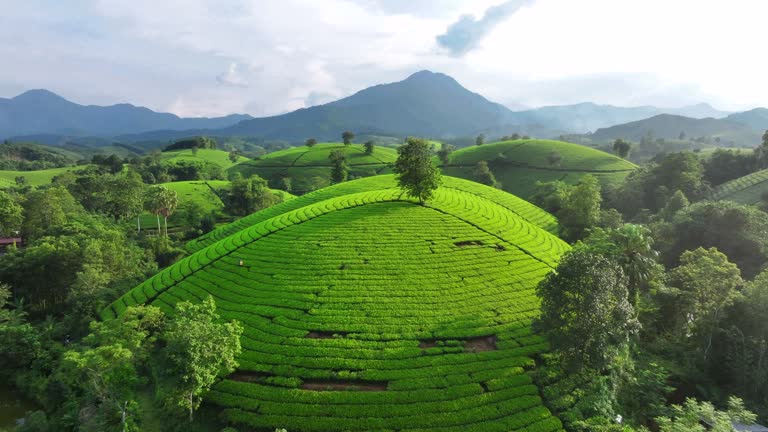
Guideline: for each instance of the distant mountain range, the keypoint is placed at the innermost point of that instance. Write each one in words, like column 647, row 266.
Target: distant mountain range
column 425, row 104
column 667, row 126
column 42, row 112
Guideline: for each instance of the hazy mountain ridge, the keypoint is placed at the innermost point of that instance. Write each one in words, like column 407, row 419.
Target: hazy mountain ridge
column 426, row 104
column 669, row 126
column 38, row 112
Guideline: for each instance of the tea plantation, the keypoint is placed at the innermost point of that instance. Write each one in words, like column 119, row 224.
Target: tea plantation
column 304, row 164
column 744, row 190
column 526, row 210
column 365, row 311
column 519, row 164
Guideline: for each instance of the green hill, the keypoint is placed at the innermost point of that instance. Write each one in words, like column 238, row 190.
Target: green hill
column 367, row 311
column 34, row 178
column 309, row 168
column 744, row 190
column 519, row 164
column 524, row 209
column 216, row 157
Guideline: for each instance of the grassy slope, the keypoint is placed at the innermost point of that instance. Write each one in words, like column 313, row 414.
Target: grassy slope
column 406, row 287
column 528, row 211
column 519, row 164
column 218, row 157
column 304, row 163
column 744, row 190
column 34, row 178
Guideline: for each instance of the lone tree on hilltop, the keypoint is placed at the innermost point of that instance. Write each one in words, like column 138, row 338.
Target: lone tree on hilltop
column 310, row 142
column 340, row 171
column 621, row 148
column 369, row 147
column 415, row 173
column 480, row 140
column 347, row 136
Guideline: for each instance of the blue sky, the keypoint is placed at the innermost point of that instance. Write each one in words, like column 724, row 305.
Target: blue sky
column 214, row 57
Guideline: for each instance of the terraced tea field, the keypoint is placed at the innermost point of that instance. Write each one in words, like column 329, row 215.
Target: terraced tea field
column 519, row 164
column 743, row 190
column 302, row 164
column 526, row 210
column 365, row 311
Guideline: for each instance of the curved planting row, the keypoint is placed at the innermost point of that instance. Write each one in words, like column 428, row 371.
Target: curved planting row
column 744, row 190
column 370, row 312
column 526, row 210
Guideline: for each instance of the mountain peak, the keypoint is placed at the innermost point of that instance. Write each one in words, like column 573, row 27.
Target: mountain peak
column 428, row 75
column 39, row 94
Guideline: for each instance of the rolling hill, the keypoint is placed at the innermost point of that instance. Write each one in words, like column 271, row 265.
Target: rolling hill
column 309, row 167
column 33, row 178
column 519, row 164
column 749, row 189
column 730, row 133
column 213, row 156
column 367, row 311
column 44, row 112
column 757, row 119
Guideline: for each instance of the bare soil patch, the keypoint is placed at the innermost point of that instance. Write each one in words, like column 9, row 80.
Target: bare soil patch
column 320, row 385
column 317, row 334
column 480, row 344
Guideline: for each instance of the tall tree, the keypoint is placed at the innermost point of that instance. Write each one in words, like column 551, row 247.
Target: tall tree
column 581, row 209
column 414, row 170
column 249, row 195
column 310, row 142
column 347, row 137
column 198, row 350
column 482, row 174
column 339, row 171
column 584, row 310
column 480, row 140
column 621, row 148
column 10, row 215
column 444, row 154
column 708, row 283
column 163, row 202
column 369, row 147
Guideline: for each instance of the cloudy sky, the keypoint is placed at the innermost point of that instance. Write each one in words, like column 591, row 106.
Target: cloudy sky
column 264, row 57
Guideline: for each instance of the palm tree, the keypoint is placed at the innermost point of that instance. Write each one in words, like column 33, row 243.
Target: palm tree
column 636, row 256
column 162, row 201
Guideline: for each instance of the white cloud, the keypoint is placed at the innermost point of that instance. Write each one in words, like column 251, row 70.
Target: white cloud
column 206, row 57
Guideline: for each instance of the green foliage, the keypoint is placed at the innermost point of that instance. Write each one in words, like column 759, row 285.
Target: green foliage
column 707, row 284
column 584, row 310
column 347, row 137
column 369, row 147
column 72, row 265
column 340, row 171
column 690, row 416
column 10, row 215
column 726, row 164
column 480, row 140
column 250, row 195
column 414, row 170
column 581, row 209
column 310, row 142
column 740, row 232
column 484, row 175
column 162, row 201
column 621, row 148
column 199, row 142
column 444, row 154
column 198, row 350
column 47, row 209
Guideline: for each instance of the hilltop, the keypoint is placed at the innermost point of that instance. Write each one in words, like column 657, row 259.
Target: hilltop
column 757, row 119
column 357, row 317
column 309, row 168
column 519, row 164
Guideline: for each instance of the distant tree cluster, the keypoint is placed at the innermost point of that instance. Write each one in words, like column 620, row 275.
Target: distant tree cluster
column 200, row 142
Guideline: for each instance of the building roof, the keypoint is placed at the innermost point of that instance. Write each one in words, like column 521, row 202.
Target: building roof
column 9, row 240
column 739, row 427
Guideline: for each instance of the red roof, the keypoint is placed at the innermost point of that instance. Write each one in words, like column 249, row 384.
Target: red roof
column 10, row 240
